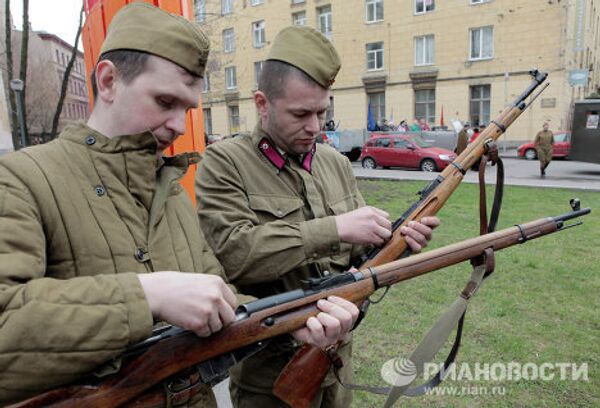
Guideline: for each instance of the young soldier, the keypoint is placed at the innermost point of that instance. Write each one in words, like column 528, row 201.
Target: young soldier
column 85, row 218
column 543, row 143
column 277, row 208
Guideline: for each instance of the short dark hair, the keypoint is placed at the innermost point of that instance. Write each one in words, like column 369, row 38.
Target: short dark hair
column 273, row 76
column 129, row 63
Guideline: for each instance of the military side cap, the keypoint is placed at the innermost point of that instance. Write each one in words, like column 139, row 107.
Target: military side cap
column 308, row 50
column 143, row 27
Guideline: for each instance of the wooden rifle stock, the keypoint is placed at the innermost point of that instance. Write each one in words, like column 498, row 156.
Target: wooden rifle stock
column 178, row 353
column 432, row 200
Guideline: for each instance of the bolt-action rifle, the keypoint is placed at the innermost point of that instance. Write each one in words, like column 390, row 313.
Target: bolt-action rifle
column 431, row 200
column 175, row 350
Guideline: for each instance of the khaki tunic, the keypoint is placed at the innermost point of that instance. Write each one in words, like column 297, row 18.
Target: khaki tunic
column 543, row 145
column 463, row 140
column 272, row 228
column 79, row 218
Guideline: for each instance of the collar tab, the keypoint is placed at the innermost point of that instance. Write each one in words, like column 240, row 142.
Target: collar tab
column 271, row 153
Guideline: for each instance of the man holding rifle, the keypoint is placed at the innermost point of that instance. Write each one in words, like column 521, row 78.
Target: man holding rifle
column 86, row 218
column 279, row 209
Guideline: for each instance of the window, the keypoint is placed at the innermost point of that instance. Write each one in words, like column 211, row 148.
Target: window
column 258, row 66
column 425, row 105
column 206, row 82
column 226, row 7
column 298, row 1
column 207, row 121
column 480, row 105
column 228, row 40
column 375, row 56
column 256, row 2
column 383, row 142
column 482, row 43
column 479, row 1
column 200, row 11
column 400, row 144
column 57, row 56
column 234, row 119
column 324, row 20
column 424, row 6
column 299, row 18
column 377, row 102
column 374, row 10
column 230, row 79
column 258, row 34
column 424, row 50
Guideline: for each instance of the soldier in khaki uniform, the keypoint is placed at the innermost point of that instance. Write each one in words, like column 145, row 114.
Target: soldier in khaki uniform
column 462, row 140
column 277, row 208
column 85, row 218
column 543, row 142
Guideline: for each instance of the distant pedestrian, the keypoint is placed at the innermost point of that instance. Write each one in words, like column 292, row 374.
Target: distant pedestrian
column 403, row 127
column 424, row 125
column 415, row 126
column 543, row 142
column 463, row 139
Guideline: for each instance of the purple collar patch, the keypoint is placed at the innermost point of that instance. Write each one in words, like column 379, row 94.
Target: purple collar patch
column 271, row 153
column 308, row 158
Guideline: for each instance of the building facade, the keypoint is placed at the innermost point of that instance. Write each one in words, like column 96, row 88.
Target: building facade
column 54, row 54
column 407, row 59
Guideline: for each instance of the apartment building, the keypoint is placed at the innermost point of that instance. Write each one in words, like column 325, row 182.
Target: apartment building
column 465, row 59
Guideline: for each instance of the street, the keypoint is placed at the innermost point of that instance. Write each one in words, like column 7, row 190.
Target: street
column 518, row 172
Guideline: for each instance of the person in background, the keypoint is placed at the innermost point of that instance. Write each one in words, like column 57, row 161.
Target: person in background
column 415, row 127
column 543, row 143
column 423, row 125
column 403, row 127
column 463, row 139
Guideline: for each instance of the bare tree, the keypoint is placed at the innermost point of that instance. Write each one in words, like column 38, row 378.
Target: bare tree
column 42, row 95
column 65, row 81
column 24, row 55
column 9, row 68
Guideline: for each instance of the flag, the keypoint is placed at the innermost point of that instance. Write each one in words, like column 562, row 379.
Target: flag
column 442, row 117
column 371, row 125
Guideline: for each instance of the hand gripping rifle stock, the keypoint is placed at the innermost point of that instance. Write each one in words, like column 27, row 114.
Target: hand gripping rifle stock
column 432, row 198
column 273, row 316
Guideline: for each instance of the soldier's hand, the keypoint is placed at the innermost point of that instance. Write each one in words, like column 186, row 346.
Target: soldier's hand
column 366, row 225
column 418, row 234
column 201, row 303
column 331, row 325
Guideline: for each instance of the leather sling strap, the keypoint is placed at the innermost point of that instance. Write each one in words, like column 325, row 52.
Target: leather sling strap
column 455, row 315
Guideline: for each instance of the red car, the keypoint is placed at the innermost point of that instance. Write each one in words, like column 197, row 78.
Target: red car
column 401, row 150
column 562, row 145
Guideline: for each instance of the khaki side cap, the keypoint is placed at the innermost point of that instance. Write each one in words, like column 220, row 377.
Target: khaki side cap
column 308, row 50
column 143, row 27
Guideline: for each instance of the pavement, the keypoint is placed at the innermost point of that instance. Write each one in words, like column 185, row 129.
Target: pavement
column 560, row 173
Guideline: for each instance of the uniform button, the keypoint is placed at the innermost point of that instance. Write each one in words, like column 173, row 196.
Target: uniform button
column 279, row 213
column 315, row 255
column 100, row 191
column 140, row 254
column 90, row 140
column 326, row 273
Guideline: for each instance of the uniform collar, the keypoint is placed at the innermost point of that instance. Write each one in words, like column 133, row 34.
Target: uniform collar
column 274, row 155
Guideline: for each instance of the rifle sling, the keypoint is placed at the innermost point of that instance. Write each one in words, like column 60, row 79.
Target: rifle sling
column 455, row 315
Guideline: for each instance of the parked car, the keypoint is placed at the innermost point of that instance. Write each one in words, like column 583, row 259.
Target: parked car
column 562, row 145
column 404, row 150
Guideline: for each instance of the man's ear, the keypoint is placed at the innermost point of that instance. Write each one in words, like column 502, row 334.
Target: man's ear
column 106, row 80
column 262, row 104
